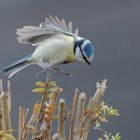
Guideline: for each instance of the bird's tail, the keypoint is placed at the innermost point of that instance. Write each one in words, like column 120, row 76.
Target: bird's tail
column 18, row 65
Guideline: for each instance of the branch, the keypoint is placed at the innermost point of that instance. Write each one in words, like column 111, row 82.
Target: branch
column 1, row 90
column 43, row 99
column 45, row 129
column 79, row 116
column 24, row 133
column 9, row 94
column 73, row 112
column 45, row 132
column 91, row 116
column 21, row 121
column 6, row 121
column 61, row 120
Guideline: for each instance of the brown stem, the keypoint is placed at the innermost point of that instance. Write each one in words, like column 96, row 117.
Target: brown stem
column 79, row 116
column 43, row 99
column 21, row 121
column 73, row 113
column 23, row 133
column 61, row 120
column 6, row 121
column 9, row 94
column 91, row 116
column 45, row 132
column 1, row 90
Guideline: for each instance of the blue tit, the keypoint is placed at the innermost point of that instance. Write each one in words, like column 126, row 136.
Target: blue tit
column 55, row 43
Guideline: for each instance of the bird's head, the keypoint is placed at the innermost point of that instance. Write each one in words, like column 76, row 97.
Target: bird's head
column 83, row 50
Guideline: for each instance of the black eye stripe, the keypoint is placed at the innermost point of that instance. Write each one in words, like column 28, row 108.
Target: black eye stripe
column 77, row 44
column 84, row 56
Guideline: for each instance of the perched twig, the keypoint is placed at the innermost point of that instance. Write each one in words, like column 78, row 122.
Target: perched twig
column 73, row 113
column 6, row 121
column 61, row 120
column 49, row 110
column 43, row 99
column 79, row 116
column 91, row 114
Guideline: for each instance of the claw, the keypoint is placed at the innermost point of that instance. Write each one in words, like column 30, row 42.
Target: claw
column 40, row 72
column 48, row 75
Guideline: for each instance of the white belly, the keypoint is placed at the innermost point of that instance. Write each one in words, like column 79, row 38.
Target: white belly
column 53, row 51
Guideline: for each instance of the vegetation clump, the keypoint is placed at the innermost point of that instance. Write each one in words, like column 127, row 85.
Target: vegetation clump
column 50, row 107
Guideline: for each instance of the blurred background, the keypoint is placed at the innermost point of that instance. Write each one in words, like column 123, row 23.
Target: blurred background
column 114, row 28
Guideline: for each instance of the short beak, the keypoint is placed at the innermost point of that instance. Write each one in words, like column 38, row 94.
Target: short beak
column 88, row 63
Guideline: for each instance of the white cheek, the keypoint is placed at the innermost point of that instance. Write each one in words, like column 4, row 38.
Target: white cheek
column 78, row 55
column 90, row 59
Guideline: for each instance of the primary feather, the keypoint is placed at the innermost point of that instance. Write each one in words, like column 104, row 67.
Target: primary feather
column 52, row 26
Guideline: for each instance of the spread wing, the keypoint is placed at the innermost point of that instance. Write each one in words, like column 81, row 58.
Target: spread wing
column 52, row 26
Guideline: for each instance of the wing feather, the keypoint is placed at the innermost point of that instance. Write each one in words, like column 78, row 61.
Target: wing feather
column 70, row 26
column 76, row 32
column 32, row 35
column 52, row 25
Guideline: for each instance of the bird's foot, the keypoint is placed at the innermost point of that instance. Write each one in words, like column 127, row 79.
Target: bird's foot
column 40, row 72
column 63, row 72
column 48, row 75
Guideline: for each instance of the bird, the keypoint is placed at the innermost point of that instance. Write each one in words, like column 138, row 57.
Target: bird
column 55, row 42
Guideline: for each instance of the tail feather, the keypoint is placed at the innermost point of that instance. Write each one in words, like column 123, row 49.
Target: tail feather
column 17, row 66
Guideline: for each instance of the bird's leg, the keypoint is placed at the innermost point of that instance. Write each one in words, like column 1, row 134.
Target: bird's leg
column 61, row 71
column 40, row 72
column 48, row 75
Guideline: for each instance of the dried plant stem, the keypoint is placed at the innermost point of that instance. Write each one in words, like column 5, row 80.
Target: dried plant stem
column 24, row 133
column 53, row 98
column 79, row 116
column 6, row 121
column 1, row 127
column 43, row 99
column 91, row 116
column 61, row 120
column 1, row 90
column 9, row 94
column 73, row 113
column 45, row 132
column 32, row 120
column 55, row 136
column 81, row 119
column 21, row 121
